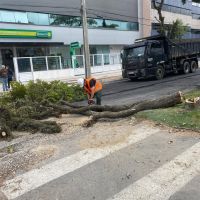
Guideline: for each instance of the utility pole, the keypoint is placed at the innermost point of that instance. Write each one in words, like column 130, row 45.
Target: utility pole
column 85, row 40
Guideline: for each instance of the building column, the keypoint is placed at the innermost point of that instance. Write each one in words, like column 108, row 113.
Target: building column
column 144, row 8
column 14, row 51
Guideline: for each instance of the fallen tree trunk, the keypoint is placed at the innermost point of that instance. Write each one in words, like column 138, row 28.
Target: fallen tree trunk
column 96, row 108
column 9, row 121
column 163, row 102
column 87, row 110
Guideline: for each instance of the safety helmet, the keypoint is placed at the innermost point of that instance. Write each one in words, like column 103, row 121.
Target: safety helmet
column 80, row 82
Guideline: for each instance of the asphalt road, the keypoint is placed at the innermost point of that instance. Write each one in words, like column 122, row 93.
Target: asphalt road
column 126, row 91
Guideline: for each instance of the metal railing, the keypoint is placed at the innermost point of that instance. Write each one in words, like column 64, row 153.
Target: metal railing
column 56, row 67
column 96, row 60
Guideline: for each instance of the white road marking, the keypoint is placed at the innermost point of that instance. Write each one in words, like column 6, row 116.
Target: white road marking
column 38, row 177
column 162, row 183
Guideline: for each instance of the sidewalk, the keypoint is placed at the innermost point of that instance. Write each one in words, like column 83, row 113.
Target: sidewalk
column 105, row 77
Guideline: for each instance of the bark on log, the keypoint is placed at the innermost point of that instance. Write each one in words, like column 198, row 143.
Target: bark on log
column 65, row 103
column 70, row 109
column 163, row 102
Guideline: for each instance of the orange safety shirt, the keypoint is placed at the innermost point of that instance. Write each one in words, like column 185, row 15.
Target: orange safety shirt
column 98, row 85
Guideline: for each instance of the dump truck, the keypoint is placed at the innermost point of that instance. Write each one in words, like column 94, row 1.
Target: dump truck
column 157, row 56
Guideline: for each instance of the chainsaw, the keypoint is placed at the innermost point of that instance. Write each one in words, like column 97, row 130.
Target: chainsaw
column 91, row 102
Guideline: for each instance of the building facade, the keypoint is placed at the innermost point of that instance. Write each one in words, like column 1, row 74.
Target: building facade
column 189, row 13
column 33, row 29
column 29, row 33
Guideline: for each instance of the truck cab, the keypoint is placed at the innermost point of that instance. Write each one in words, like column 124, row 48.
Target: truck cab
column 142, row 59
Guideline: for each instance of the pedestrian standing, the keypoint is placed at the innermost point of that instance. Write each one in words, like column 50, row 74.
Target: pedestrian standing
column 93, row 88
column 10, row 76
column 4, row 77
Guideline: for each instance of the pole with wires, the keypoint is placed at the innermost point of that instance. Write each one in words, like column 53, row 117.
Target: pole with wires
column 85, row 40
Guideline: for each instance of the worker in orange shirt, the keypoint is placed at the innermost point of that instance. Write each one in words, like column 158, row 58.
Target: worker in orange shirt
column 93, row 88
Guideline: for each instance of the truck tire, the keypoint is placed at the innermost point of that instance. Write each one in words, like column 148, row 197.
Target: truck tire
column 186, row 67
column 193, row 67
column 160, row 72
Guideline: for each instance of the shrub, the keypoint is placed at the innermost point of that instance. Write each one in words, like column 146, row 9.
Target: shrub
column 41, row 90
column 18, row 90
column 37, row 91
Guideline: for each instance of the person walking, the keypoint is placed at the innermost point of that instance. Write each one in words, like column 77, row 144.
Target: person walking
column 93, row 88
column 4, row 77
column 10, row 76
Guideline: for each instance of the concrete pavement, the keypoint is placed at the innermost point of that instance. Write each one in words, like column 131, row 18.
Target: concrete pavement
column 150, row 164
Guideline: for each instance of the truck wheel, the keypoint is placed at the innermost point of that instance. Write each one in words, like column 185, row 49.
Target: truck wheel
column 193, row 67
column 186, row 67
column 160, row 72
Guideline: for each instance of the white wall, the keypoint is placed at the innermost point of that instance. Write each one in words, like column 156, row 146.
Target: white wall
column 68, row 35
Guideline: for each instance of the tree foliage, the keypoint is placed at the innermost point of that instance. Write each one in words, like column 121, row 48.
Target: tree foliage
column 176, row 29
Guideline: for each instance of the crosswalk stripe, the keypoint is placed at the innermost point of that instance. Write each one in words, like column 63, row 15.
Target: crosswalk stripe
column 162, row 183
column 38, row 177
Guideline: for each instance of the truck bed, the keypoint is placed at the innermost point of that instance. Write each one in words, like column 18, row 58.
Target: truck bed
column 184, row 48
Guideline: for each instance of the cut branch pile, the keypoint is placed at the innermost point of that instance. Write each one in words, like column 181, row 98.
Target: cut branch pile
column 193, row 103
column 27, row 117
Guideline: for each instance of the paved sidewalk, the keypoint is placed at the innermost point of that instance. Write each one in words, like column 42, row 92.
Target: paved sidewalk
column 103, row 76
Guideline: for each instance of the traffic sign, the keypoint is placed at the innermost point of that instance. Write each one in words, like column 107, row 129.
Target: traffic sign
column 75, row 45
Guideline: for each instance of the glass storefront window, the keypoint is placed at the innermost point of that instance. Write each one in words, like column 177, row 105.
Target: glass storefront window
column 21, row 17
column 38, row 18
column 7, row 16
column 33, row 18
column 43, row 19
column 13, row 17
column 64, row 20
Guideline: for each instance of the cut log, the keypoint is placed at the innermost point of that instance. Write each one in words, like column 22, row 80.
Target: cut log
column 5, row 132
column 70, row 109
column 193, row 103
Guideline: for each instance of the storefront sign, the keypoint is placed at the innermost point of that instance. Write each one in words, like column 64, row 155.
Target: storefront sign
column 30, row 34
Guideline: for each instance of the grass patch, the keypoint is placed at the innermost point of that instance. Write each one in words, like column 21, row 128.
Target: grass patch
column 177, row 117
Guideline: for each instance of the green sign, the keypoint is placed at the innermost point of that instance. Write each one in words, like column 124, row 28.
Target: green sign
column 30, row 34
column 75, row 45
